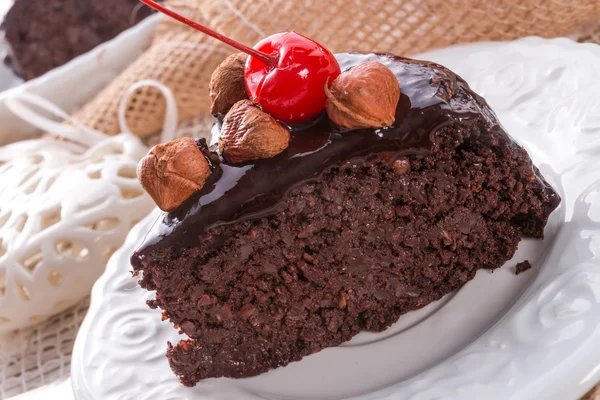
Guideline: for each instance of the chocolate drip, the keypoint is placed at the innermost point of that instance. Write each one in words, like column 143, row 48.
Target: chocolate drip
column 432, row 97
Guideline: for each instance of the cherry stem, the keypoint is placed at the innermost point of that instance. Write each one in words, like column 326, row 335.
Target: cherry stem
column 265, row 58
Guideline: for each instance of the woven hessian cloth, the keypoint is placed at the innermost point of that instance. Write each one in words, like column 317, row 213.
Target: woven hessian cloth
column 184, row 60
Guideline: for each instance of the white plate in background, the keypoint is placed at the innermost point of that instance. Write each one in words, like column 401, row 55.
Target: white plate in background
column 88, row 73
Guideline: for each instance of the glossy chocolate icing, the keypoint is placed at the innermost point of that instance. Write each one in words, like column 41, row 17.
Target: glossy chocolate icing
column 431, row 97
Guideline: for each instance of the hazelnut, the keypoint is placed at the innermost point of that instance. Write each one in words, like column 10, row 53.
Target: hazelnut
column 401, row 166
column 365, row 96
column 171, row 172
column 227, row 85
column 248, row 133
column 343, row 300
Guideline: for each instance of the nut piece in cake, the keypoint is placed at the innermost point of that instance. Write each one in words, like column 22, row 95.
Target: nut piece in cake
column 227, row 85
column 366, row 96
column 248, row 133
column 171, row 172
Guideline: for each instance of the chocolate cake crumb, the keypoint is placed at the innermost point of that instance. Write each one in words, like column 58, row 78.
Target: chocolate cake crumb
column 522, row 267
column 321, row 270
column 305, row 250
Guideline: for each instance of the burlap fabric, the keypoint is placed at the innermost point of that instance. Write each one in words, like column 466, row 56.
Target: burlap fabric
column 588, row 33
column 184, row 59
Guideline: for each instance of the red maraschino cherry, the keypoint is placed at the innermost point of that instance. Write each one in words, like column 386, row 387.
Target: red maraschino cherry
column 292, row 90
column 285, row 74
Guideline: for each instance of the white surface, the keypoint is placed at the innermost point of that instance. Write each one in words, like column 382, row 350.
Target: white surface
column 5, row 6
column 58, row 390
column 532, row 336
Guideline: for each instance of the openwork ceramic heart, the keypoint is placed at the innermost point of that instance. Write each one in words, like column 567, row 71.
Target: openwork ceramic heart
column 62, row 215
column 65, row 207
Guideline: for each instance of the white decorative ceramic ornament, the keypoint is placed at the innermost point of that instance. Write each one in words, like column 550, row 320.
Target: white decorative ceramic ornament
column 64, row 210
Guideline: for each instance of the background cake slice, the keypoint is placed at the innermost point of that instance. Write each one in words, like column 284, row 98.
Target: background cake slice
column 45, row 34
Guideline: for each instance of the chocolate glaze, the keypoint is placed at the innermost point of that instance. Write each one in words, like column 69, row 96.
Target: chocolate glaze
column 431, row 97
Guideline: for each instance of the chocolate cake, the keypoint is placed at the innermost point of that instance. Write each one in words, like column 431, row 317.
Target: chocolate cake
column 344, row 231
column 45, row 34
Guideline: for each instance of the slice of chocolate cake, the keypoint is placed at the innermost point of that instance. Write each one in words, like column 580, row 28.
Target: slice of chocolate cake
column 343, row 231
column 45, row 34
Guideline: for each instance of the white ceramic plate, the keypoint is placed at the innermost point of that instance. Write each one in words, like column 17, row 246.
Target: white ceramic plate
column 502, row 336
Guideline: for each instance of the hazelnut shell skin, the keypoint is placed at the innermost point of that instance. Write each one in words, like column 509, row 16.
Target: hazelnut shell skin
column 248, row 133
column 365, row 96
column 173, row 171
column 227, row 85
